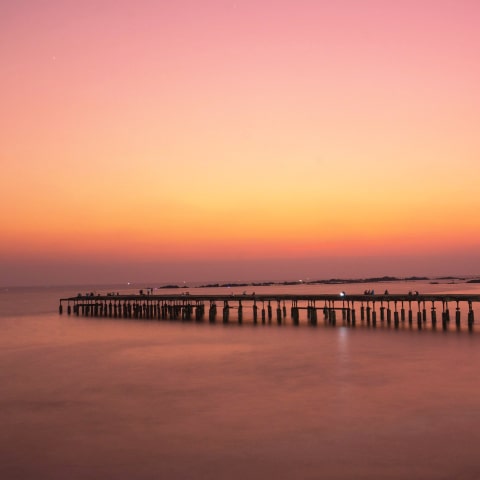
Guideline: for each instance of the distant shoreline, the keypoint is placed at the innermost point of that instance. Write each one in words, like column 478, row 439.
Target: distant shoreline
column 468, row 279
column 331, row 281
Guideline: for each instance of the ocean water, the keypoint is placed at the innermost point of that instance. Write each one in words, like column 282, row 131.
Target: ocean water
column 145, row 399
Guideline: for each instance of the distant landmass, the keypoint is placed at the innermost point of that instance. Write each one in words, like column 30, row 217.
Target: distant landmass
column 330, row 281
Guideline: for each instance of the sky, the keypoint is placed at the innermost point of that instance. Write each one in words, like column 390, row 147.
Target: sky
column 251, row 139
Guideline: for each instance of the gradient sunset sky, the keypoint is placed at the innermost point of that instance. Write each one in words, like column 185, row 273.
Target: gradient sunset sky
column 235, row 140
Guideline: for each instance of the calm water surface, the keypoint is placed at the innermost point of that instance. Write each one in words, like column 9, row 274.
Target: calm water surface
column 114, row 399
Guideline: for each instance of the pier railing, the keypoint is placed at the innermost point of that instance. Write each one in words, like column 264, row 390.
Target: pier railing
column 390, row 309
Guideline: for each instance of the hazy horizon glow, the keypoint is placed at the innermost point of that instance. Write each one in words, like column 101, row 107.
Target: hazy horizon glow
column 220, row 132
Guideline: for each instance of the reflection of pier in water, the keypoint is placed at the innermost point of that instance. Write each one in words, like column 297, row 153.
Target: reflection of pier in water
column 388, row 309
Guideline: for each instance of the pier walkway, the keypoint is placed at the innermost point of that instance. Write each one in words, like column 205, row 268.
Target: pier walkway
column 350, row 309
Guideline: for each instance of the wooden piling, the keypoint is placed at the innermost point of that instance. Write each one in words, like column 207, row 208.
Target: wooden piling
column 190, row 307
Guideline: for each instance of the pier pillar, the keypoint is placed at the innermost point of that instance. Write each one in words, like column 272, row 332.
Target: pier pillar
column 212, row 312
column 296, row 316
column 396, row 321
column 457, row 315
column 447, row 312
column 187, row 309
column 313, row 313
column 240, row 312
column 226, row 311
column 269, row 310
column 199, row 311
column 295, row 312
column 333, row 316
column 471, row 319
column 255, row 312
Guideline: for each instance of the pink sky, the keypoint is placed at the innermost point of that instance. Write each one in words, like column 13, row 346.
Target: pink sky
column 159, row 141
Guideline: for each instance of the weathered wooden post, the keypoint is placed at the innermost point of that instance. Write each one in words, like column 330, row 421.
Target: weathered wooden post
column 434, row 315
column 457, row 315
column 395, row 315
column 226, row 311
column 471, row 319
column 240, row 312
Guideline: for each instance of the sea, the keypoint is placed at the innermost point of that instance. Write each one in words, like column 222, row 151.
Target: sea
column 106, row 398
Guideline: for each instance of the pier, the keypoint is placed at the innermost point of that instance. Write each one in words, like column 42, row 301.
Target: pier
column 414, row 310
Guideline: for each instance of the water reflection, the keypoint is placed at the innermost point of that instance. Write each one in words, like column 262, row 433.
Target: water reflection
column 110, row 398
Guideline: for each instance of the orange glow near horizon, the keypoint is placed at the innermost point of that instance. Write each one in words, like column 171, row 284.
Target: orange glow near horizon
column 221, row 131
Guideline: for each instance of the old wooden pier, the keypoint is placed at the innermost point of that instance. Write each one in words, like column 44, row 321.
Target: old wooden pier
column 388, row 309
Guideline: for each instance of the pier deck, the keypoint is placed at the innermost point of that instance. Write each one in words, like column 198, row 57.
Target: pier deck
column 389, row 308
